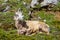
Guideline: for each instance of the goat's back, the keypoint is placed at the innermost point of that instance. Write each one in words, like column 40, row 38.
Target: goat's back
column 35, row 25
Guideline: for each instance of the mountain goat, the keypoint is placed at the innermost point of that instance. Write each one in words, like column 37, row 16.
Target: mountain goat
column 29, row 27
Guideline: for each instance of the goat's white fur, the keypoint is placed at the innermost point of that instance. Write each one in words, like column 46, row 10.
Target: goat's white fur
column 36, row 25
column 18, row 15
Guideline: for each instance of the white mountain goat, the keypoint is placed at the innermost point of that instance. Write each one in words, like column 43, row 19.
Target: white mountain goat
column 29, row 27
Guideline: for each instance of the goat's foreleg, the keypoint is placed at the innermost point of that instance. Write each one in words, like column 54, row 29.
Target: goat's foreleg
column 28, row 32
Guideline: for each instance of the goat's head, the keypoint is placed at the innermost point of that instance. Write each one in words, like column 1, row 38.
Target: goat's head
column 18, row 15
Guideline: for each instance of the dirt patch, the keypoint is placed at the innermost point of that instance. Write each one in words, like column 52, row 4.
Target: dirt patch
column 57, row 14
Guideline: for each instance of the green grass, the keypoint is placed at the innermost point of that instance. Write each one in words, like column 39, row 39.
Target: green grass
column 12, row 35
column 9, row 32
